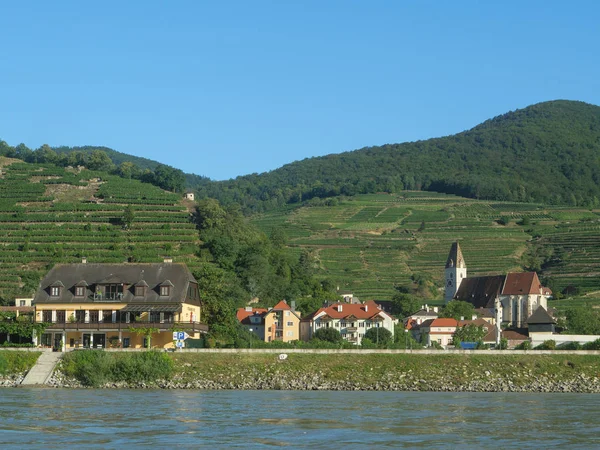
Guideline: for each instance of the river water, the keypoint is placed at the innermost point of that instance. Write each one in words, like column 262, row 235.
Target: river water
column 169, row 419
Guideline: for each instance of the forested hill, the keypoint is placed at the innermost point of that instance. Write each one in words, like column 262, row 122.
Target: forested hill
column 548, row 152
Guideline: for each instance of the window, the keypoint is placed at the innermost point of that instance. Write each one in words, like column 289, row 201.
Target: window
column 154, row 316
column 125, row 342
column 22, row 302
column 361, row 324
column 94, row 316
column 47, row 316
column 287, row 313
column 290, row 324
column 107, row 316
column 165, row 291
column 80, row 316
column 79, row 291
column 290, row 333
column 112, row 291
column 337, row 324
column 54, row 291
column 61, row 316
column 140, row 291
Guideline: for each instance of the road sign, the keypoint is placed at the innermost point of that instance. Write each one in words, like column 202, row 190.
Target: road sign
column 181, row 335
column 175, row 333
column 180, row 344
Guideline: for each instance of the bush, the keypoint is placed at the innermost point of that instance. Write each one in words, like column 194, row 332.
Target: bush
column 328, row 334
column 547, row 345
column 380, row 336
column 95, row 367
column 17, row 362
column 525, row 345
column 594, row 345
column 569, row 346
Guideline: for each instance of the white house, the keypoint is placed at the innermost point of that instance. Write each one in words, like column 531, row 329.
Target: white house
column 352, row 320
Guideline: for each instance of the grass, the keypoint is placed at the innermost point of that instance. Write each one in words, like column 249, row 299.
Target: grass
column 367, row 370
column 14, row 362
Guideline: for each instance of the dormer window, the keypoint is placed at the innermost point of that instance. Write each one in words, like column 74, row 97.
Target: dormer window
column 56, row 288
column 165, row 288
column 79, row 291
column 140, row 288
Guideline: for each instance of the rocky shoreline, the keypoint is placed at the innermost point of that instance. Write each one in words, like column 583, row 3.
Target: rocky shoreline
column 376, row 372
column 579, row 384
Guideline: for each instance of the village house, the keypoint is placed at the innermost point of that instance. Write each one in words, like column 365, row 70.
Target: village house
column 352, row 320
column 519, row 293
column 425, row 313
column 101, row 305
column 279, row 323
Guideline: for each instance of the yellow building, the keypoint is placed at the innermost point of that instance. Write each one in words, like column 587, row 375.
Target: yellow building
column 280, row 323
column 115, row 305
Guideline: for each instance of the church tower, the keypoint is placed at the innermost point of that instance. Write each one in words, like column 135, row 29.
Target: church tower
column 456, row 271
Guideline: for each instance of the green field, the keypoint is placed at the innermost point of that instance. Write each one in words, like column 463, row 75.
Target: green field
column 369, row 243
column 51, row 214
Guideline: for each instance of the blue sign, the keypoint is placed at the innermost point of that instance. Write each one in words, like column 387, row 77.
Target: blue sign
column 180, row 335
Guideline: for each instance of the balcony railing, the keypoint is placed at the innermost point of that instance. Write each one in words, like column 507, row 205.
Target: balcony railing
column 351, row 329
column 123, row 326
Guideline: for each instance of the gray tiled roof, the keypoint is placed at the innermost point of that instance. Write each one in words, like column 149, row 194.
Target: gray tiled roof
column 129, row 274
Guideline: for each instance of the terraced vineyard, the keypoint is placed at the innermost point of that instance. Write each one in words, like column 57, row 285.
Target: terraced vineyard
column 369, row 243
column 50, row 214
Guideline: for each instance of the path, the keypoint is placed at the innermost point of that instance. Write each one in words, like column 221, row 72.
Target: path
column 42, row 371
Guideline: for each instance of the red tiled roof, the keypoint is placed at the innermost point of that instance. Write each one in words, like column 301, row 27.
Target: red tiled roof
column 282, row 305
column 521, row 284
column 444, row 322
column 242, row 314
column 360, row 311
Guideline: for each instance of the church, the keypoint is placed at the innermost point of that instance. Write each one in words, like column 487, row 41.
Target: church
column 517, row 294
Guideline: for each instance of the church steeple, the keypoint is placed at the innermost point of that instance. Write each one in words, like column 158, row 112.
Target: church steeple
column 456, row 271
column 455, row 257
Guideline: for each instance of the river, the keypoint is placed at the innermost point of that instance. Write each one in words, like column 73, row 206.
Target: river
column 169, row 419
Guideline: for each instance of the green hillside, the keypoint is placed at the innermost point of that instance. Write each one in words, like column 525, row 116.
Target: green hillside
column 547, row 153
column 369, row 243
column 50, row 214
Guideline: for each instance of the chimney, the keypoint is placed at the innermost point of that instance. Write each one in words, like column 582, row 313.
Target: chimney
column 435, row 309
column 293, row 305
column 167, row 259
column 84, row 260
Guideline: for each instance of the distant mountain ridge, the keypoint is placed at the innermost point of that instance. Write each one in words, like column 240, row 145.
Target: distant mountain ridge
column 548, row 152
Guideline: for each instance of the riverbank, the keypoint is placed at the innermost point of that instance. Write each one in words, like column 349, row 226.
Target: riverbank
column 14, row 365
column 444, row 372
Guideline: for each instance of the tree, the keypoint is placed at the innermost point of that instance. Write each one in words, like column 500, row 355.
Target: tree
column 128, row 216
column 582, row 320
column 457, row 309
column 469, row 333
column 403, row 304
column 328, row 334
column 379, row 335
column 99, row 160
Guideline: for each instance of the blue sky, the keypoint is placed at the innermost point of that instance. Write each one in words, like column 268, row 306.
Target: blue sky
column 227, row 88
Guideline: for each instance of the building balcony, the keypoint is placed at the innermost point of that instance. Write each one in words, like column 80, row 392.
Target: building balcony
column 351, row 329
column 123, row 326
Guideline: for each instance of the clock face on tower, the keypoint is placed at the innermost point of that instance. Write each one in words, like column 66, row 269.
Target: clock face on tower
column 449, row 283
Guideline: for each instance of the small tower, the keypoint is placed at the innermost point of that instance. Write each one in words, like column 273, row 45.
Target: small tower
column 456, row 271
